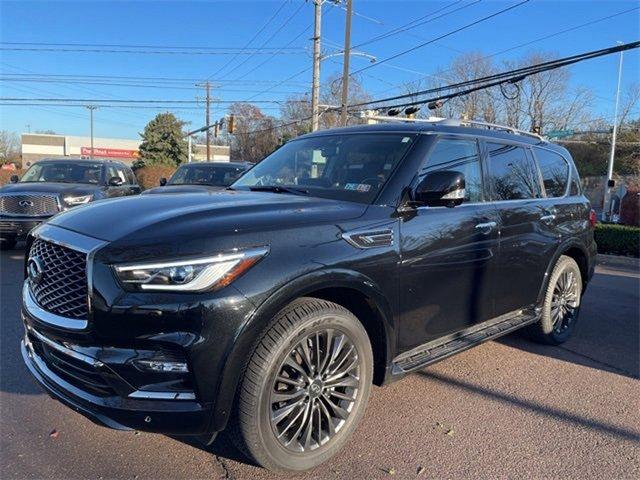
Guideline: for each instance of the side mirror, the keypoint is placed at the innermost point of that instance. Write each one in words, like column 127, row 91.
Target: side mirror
column 115, row 182
column 14, row 179
column 441, row 189
column 163, row 181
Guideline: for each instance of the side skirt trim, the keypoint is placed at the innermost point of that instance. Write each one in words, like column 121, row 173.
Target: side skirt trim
column 451, row 344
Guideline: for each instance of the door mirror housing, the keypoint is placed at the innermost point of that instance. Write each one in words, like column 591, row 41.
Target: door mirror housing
column 14, row 179
column 444, row 188
column 115, row 182
column 163, row 181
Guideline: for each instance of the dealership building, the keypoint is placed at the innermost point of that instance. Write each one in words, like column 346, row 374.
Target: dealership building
column 36, row 146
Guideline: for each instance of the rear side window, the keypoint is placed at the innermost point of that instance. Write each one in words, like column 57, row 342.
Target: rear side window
column 512, row 174
column 554, row 170
column 458, row 155
column 576, row 188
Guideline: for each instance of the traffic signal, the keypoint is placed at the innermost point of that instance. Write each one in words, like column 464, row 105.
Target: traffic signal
column 232, row 124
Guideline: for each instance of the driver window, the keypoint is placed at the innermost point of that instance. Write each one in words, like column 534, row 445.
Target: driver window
column 457, row 155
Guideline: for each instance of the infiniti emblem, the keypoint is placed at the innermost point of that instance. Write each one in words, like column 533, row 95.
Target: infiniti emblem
column 315, row 388
column 25, row 203
column 34, row 270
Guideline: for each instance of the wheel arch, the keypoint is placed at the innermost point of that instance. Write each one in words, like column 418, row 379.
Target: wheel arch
column 350, row 289
column 575, row 250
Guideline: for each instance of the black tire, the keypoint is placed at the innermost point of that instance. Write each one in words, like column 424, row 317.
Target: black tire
column 7, row 243
column 561, row 304
column 297, row 330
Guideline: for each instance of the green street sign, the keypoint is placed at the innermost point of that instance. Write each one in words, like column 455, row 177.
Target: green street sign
column 560, row 133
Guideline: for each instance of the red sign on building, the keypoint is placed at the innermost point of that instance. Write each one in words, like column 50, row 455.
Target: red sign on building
column 109, row 152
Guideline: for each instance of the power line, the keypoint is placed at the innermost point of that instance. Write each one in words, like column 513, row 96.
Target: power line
column 107, row 45
column 133, row 101
column 464, row 27
column 265, row 25
column 511, row 76
column 284, row 24
column 546, row 37
column 251, row 53
column 417, row 22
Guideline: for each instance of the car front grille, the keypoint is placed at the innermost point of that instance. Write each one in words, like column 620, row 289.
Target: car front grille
column 62, row 288
column 29, row 204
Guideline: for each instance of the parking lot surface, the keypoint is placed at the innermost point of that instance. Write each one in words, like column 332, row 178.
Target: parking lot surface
column 509, row 408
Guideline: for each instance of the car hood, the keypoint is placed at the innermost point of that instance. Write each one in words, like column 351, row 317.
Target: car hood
column 184, row 189
column 201, row 214
column 50, row 187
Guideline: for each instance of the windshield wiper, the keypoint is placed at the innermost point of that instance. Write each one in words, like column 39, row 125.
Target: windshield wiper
column 278, row 189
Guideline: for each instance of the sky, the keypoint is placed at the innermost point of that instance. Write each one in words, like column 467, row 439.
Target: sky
column 198, row 40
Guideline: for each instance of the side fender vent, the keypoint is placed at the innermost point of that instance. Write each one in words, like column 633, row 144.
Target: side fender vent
column 370, row 238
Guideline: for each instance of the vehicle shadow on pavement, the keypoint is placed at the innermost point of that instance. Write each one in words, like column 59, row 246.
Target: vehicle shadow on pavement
column 525, row 404
column 221, row 447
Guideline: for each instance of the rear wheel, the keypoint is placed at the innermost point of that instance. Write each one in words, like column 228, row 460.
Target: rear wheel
column 305, row 387
column 7, row 243
column 561, row 304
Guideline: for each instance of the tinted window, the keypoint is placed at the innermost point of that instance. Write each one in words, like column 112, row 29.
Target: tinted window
column 458, row 156
column 351, row 167
column 131, row 178
column 123, row 174
column 64, row 172
column 219, row 175
column 513, row 175
column 575, row 188
column 555, row 172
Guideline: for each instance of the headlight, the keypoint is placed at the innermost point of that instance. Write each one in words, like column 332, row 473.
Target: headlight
column 77, row 200
column 192, row 275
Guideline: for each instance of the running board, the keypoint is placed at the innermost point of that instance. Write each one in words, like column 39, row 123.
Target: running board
column 444, row 347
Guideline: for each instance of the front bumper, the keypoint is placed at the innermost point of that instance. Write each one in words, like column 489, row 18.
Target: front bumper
column 178, row 417
column 18, row 227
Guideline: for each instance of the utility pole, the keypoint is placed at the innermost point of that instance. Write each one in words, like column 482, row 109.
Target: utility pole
column 315, row 88
column 91, row 109
column 345, row 63
column 207, row 120
column 606, row 204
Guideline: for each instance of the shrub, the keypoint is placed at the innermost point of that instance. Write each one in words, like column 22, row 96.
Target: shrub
column 149, row 177
column 5, row 175
column 618, row 239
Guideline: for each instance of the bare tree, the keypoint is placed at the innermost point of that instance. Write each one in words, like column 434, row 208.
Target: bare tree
column 255, row 134
column 9, row 147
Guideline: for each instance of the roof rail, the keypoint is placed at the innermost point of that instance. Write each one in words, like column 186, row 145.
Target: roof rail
column 452, row 122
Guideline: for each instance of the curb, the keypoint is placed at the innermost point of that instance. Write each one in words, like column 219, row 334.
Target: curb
column 618, row 261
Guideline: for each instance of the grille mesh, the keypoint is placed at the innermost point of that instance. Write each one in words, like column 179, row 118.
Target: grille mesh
column 32, row 204
column 63, row 287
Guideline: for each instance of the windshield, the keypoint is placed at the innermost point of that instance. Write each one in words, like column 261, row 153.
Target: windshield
column 341, row 167
column 218, row 176
column 63, row 172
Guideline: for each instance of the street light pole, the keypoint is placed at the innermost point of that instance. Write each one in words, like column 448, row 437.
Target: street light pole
column 606, row 204
column 345, row 63
column 315, row 88
column 91, row 109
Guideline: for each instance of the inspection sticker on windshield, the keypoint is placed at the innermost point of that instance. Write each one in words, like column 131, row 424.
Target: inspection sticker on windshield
column 358, row 187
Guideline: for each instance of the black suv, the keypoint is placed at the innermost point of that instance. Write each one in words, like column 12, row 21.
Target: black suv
column 51, row 186
column 201, row 176
column 345, row 258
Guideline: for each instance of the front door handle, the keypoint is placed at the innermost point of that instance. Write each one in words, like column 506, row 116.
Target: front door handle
column 548, row 218
column 486, row 227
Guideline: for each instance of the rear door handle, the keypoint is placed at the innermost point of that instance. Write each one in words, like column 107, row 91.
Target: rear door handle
column 486, row 227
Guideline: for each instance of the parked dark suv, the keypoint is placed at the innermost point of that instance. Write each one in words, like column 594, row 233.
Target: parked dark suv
column 54, row 185
column 345, row 258
column 201, row 176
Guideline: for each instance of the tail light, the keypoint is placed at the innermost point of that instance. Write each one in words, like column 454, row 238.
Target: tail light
column 593, row 218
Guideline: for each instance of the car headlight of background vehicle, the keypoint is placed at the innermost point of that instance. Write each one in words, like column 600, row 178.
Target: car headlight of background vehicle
column 77, row 199
column 189, row 275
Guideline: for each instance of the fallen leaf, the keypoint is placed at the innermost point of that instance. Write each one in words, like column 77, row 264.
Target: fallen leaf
column 390, row 471
column 451, row 432
column 420, row 470
column 53, row 434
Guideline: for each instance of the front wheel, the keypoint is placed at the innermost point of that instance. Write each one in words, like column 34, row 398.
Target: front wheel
column 305, row 387
column 561, row 304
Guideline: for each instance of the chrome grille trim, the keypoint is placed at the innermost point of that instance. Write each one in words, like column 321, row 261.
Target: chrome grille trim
column 37, row 204
column 62, row 290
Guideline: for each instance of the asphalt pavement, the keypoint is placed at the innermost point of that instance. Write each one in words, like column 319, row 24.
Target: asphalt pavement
column 508, row 408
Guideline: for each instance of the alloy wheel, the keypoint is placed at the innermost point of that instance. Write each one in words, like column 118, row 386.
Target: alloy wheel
column 565, row 301
column 315, row 390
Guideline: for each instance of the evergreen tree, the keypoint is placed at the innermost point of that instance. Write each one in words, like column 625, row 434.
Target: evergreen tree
column 163, row 142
